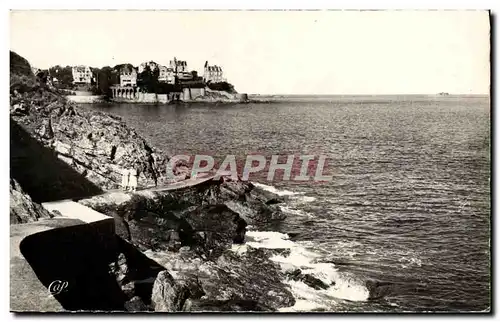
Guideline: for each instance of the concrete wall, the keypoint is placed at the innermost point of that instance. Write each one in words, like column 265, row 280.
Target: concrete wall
column 192, row 93
column 146, row 98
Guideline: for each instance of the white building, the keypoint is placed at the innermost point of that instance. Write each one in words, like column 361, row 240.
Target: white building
column 128, row 77
column 179, row 66
column 213, row 73
column 166, row 75
column 82, row 74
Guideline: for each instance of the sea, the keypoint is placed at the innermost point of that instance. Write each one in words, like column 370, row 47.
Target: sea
column 404, row 225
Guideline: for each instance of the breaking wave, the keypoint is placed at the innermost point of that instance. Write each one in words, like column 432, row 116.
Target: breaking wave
column 275, row 190
column 295, row 212
column 294, row 195
column 342, row 286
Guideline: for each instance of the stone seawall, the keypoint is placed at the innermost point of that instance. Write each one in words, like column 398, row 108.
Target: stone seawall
column 149, row 98
column 188, row 95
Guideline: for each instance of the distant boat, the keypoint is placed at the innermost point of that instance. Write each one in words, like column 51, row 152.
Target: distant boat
column 443, row 94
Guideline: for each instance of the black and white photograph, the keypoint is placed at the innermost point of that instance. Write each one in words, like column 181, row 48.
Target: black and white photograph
column 271, row 161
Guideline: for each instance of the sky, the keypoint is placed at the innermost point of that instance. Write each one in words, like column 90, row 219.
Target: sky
column 275, row 52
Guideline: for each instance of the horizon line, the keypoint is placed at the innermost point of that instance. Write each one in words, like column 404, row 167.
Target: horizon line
column 381, row 94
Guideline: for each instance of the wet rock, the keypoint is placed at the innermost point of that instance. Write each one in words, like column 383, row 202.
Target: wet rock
column 250, row 277
column 233, row 282
column 273, row 201
column 378, row 289
column 293, row 235
column 314, row 282
column 269, row 252
column 308, row 279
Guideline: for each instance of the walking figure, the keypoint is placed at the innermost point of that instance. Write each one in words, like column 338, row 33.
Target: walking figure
column 125, row 179
column 133, row 179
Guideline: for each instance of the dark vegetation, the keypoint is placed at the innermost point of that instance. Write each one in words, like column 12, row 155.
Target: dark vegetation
column 64, row 76
column 105, row 78
column 223, row 86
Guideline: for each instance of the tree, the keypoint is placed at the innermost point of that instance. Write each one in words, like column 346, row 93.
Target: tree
column 119, row 67
column 64, row 76
column 105, row 78
column 148, row 80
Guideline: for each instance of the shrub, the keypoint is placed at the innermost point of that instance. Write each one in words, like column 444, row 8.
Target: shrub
column 222, row 86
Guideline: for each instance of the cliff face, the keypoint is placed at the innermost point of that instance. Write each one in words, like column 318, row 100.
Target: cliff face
column 22, row 208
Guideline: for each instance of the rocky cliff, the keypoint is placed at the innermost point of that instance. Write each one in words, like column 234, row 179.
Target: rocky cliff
column 60, row 151
column 22, row 208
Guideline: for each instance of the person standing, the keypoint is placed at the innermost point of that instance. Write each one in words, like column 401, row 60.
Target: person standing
column 125, row 179
column 133, row 179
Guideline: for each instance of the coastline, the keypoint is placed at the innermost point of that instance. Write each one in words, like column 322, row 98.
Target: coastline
column 100, row 99
column 78, row 155
column 148, row 98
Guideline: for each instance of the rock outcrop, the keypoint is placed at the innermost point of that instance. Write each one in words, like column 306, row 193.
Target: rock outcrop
column 209, row 217
column 308, row 279
column 96, row 145
column 171, row 295
column 19, row 65
column 22, row 208
column 246, row 281
column 216, row 96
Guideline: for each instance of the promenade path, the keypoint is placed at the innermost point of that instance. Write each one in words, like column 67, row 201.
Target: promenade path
column 71, row 209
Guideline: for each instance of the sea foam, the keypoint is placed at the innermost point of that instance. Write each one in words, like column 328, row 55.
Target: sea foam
column 343, row 286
